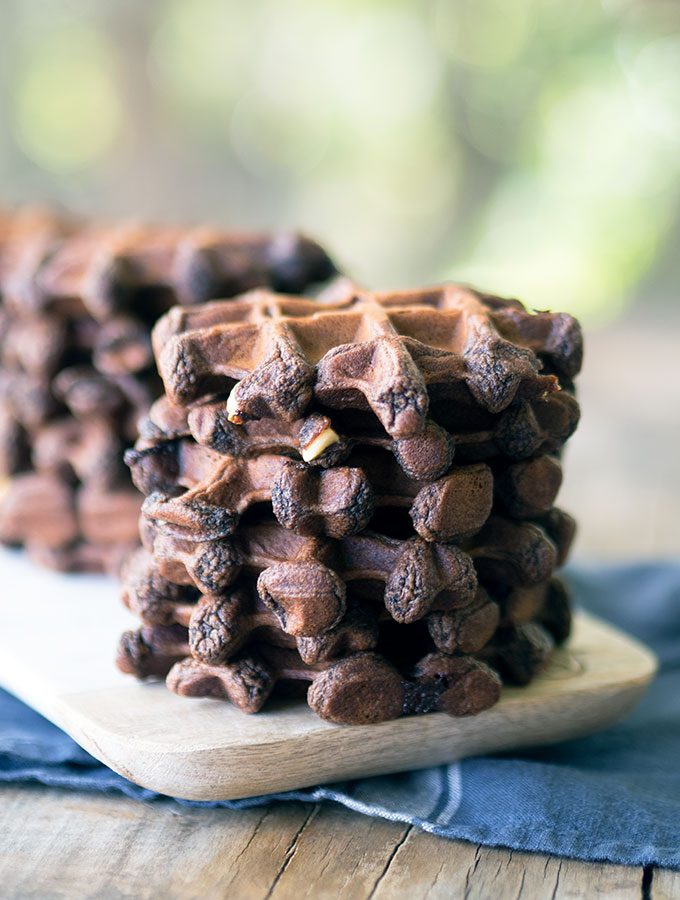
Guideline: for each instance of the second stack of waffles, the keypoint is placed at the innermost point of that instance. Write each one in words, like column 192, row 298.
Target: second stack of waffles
column 354, row 500
column 77, row 303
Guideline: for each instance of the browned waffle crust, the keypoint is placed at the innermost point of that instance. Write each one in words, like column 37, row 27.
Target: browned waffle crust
column 356, row 496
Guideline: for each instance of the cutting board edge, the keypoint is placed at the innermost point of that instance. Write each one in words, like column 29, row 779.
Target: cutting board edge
column 589, row 631
column 549, row 710
column 235, row 772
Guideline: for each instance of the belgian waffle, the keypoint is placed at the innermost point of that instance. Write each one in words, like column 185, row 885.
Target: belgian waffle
column 355, row 495
column 357, row 688
column 395, row 354
column 77, row 302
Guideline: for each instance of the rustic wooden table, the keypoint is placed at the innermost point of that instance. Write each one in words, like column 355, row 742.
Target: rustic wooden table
column 71, row 844
column 623, row 486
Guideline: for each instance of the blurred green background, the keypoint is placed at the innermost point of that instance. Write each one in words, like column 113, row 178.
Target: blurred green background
column 529, row 146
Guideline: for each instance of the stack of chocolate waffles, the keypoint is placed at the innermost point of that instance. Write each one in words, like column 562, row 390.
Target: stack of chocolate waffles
column 77, row 302
column 353, row 499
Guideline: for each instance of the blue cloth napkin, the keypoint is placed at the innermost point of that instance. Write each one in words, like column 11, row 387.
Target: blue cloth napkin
column 613, row 796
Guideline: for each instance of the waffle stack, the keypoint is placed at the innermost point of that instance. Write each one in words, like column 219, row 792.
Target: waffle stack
column 353, row 499
column 77, row 303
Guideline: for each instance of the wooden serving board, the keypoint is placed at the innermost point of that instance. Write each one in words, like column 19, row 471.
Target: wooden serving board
column 57, row 644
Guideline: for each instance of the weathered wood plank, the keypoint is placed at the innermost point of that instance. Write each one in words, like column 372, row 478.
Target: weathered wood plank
column 575, row 880
column 665, row 885
column 431, row 867
column 67, row 844
column 339, row 854
column 438, row 869
column 72, row 844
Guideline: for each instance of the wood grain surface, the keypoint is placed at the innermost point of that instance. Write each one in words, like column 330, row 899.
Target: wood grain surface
column 68, row 844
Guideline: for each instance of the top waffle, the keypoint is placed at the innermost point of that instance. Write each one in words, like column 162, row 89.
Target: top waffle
column 398, row 355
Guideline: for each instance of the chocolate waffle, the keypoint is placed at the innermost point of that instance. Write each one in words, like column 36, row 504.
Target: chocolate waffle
column 358, row 688
column 327, row 436
column 197, row 493
column 355, row 496
column 410, row 576
column 26, row 237
column 103, row 269
column 44, row 510
column 77, row 301
column 233, row 647
column 335, row 502
column 28, row 400
column 156, row 460
column 219, row 625
column 316, row 440
column 85, row 451
column 395, row 354
column 303, row 597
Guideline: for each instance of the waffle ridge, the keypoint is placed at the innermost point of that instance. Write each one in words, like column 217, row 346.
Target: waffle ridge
column 378, row 351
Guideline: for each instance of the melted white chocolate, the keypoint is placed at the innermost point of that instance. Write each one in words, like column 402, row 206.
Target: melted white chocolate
column 316, row 447
column 232, row 408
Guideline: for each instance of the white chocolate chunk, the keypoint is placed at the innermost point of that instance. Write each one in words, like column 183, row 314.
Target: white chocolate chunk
column 232, row 407
column 316, row 447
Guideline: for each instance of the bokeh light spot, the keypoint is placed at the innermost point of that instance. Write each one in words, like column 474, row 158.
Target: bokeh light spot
column 199, row 57
column 489, row 35
column 268, row 139
column 67, row 112
column 655, row 78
